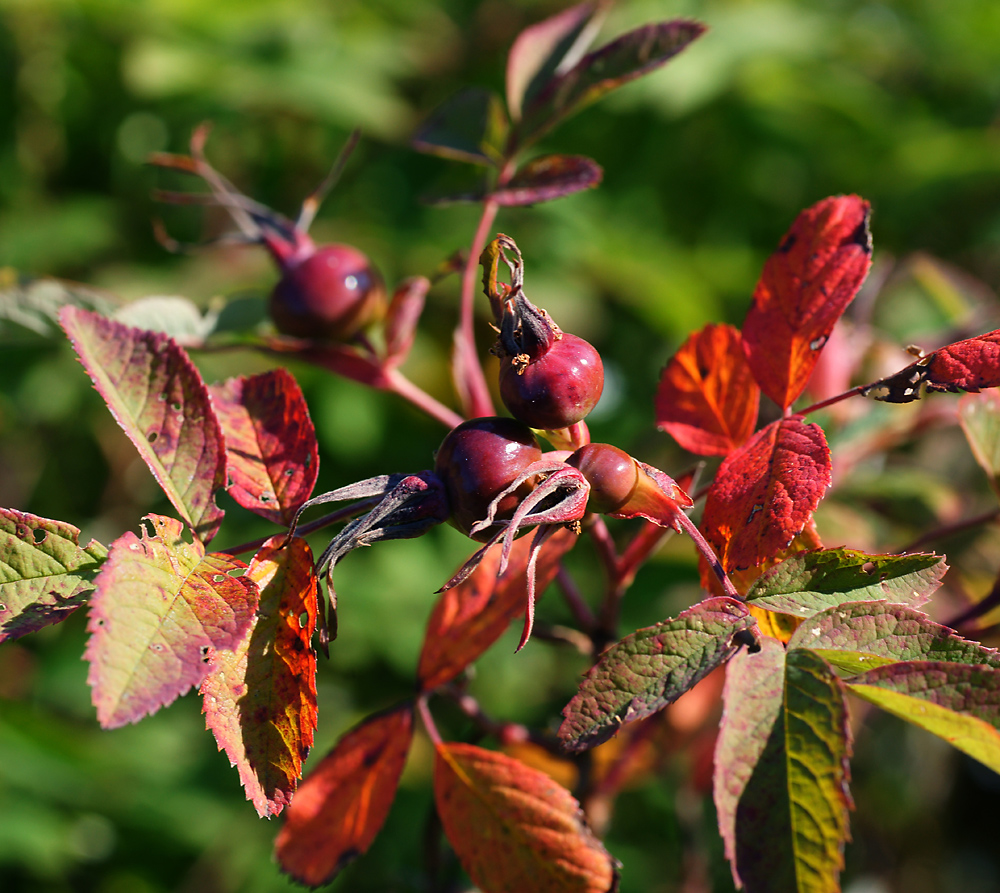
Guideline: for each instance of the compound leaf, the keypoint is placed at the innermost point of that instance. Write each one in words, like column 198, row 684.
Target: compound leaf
column 158, row 397
column 813, row 581
column 340, row 808
column 958, row 703
column 651, row 668
column 260, row 699
column 471, row 616
column 548, row 177
column 45, row 574
column 765, row 492
column 272, row 456
column 630, row 56
column 161, row 610
column 707, row 399
column 805, row 287
column 513, row 828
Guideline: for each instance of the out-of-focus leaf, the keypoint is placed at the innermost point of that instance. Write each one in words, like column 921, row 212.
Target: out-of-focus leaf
column 707, row 399
column 896, row 632
column 805, row 287
column 175, row 316
column 260, row 699
column 539, row 51
column 158, row 397
column 471, row 127
column 161, row 610
column 651, row 668
column 471, row 616
column 765, row 492
column 969, row 365
column 344, row 802
column 630, row 56
column 548, row 177
column 45, row 574
column 402, row 317
column 792, row 816
column 513, row 828
column 958, row 703
column 272, row 457
column 34, row 304
column 979, row 415
column 813, row 581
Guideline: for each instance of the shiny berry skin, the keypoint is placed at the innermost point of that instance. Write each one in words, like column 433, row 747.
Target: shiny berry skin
column 556, row 390
column 611, row 473
column 477, row 460
column 330, row 294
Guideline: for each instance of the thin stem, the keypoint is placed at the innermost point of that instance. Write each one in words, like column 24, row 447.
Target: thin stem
column 428, row 721
column 649, row 538
column 598, row 530
column 506, row 732
column 853, row 392
column 947, row 530
column 350, row 511
column 702, row 545
column 579, row 608
column 400, row 385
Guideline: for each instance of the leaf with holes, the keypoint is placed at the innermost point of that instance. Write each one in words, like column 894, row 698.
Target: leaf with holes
column 158, row 397
column 781, row 782
column 765, row 492
column 471, row 616
column 813, row 581
column 539, row 51
column 960, row 704
column 272, row 457
column 857, row 637
column 161, row 610
column 513, row 828
column 630, row 56
column 344, row 802
column 651, row 668
column 969, row 365
column 707, row 399
column 469, row 127
column 549, row 177
column 805, row 287
column 259, row 700
column 45, row 574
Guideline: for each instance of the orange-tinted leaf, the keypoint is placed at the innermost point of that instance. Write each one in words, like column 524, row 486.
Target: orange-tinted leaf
column 513, row 828
column 272, row 457
column 707, row 399
column 471, row 616
column 260, row 700
column 161, row 611
column 805, row 287
column 765, row 493
column 548, row 177
column 158, row 397
column 969, row 365
column 344, row 802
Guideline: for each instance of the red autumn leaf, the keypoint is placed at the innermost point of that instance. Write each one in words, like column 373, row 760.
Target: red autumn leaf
column 158, row 397
column 969, row 365
column 805, row 287
column 260, row 700
column 707, row 399
column 471, row 616
column 344, row 802
column 513, row 828
column 549, row 177
column 272, row 457
column 161, row 611
column 765, row 493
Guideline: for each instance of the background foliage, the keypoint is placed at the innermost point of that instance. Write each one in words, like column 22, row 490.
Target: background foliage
column 706, row 165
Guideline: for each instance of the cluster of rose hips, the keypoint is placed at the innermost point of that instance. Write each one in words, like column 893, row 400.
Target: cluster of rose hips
column 491, row 479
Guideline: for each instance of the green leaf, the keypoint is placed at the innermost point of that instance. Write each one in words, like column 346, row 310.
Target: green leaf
column 159, row 399
column 960, row 704
column 813, row 581
column 45, row 574
column 651, row 668
column 893, row 632
column 980, row 418
column 782, row 772
column 162, row 610
column 470, row 127
column 33, row 305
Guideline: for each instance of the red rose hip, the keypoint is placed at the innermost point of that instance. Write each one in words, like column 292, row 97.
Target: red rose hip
column 611, row 473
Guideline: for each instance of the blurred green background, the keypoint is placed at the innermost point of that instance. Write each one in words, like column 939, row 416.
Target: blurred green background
column 706, row 164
